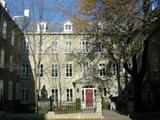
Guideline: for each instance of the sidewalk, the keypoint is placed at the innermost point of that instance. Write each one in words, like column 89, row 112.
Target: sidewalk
column 112, row 115
column 107, row 115
column 51, row 116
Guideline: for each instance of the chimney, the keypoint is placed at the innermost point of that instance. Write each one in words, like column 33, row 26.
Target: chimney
column 26, row 12
column 3, row 3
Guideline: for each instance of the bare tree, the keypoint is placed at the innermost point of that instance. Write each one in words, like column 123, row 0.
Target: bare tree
column 35, row 40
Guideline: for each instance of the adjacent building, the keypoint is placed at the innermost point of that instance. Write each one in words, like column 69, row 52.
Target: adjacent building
column 151, row 86
column 10, row 37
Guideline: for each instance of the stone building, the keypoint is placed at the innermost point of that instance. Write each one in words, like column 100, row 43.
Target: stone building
column 66, row 63
column 10, row 37
column 151, row 86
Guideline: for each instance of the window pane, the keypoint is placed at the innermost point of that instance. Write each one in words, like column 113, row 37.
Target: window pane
column 54, row 70
column 54, row 46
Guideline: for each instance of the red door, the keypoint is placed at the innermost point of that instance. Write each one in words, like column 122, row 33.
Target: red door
column 89, row 98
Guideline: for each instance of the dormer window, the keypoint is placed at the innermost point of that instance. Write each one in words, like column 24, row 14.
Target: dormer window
column 67, row 26
column 41, row 27
column 100, row 26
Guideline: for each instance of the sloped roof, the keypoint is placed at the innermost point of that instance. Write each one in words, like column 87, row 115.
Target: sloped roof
column 26, row 25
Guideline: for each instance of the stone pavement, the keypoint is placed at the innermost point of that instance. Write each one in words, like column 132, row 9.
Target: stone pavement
column 107, row 115
column 112, row 115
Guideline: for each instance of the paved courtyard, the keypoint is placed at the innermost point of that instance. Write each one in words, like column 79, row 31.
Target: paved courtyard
column 112, row 115
column 107, row 115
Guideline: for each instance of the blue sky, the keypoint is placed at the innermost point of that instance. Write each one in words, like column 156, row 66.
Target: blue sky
column 54, row 10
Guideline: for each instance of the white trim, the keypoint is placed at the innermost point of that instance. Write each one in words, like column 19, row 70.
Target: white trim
column 68, row 27
column 83, row 103
column 66, row 70
column 68, row 48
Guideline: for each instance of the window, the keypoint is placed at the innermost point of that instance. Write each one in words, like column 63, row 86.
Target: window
column 68, row 70
column 13, row 37
column 11, row 63
column 54, row 70
column 84, row 46
column 25, row 70
column 69, row 95
column 68, row 27
column 4, row 29
column 155, row 62
column 68, row 46
column 99, row 46
column 84, row 66
column 102, row 70
column 2, row 53
column 10, row 90
column 104, row 91
column 25, row 95
column 25, row 47
column 40, row 68
column 54, row 95
column 41, row 27
column 83, row 95
column 40, row 46
column 17, row 91
column 55, row 46
column 1, row 90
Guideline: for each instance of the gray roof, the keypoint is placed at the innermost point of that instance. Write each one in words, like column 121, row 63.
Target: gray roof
column 26, row 25
column 55, row 27
column 21, row 21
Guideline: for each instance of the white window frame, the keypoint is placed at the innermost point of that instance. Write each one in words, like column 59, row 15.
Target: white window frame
column 55, row 70
column 55, row 46
column 69, row 70
column 25, row 70
column 69, row 95
column 25, row 47
column 100, row 46
column 40, row 46
column 42, row 26
column 41, row 69
column 12, row 37
column 84, row 46
column 84, row 67
column 55, row 95
column 102, row 69
column 68, row 27
column 68, row 46
column 10, row 90
column 2, row 57
column 25, row 95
